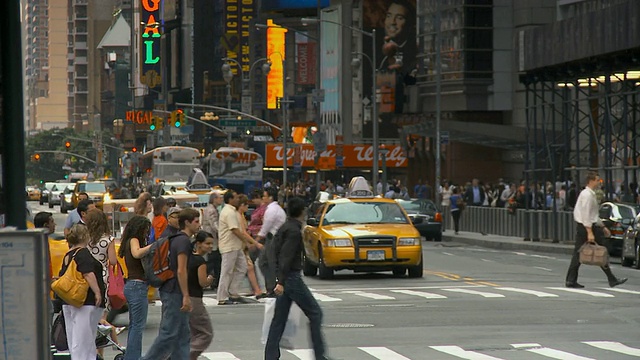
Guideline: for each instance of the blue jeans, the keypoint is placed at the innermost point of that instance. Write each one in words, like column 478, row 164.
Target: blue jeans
column 136, row 294
column 296, row 291
column 174, row 336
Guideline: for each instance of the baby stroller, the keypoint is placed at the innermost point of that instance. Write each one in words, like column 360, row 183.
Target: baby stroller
column 59, row 347
column 103, row 340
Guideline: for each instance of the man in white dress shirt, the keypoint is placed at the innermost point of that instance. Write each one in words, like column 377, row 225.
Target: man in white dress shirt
column 274, row 217
column 589, row 229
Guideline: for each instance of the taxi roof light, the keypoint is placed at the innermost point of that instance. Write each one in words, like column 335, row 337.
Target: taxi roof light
column 359, row 188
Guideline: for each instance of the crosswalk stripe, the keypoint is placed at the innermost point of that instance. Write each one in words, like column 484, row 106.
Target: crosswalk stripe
column 475, row 292
column 383, row 353
column 219, row 356
column 370, row 295
column 614, row 346
column 527, row 291
column 548, row 352
column 581, row 291
column 423, row 294
column 624, row 291
column 321, row 297
column 462, row 353
column 303, row 354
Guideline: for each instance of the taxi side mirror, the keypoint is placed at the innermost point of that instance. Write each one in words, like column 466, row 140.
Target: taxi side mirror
column 417, row 220
column 312, row 222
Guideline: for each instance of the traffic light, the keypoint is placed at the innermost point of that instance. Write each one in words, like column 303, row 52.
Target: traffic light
column 156, row 123
column 173, row 117
column 67, row 145
column 180, row 116
column 134, row 149
column 36, row 157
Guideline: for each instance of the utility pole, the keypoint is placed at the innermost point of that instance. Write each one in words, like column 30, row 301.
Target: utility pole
column 436, row 186
column 166, row 130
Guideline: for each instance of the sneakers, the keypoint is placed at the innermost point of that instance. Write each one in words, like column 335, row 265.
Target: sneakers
column 261, row 296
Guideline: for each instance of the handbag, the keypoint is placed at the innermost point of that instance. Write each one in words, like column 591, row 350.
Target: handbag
column 59, row 334
column 290, row 329
column 461, row 204
column 71, row 287
column 116, row 287
column 593, row 254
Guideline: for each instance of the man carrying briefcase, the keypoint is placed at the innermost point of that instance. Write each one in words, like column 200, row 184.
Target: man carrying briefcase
column 589, row 229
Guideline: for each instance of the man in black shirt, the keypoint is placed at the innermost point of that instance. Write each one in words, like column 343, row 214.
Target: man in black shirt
column 174, row 335
column 290, row 287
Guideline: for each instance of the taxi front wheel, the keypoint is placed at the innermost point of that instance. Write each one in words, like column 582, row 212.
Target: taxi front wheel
column 324, row 271
column 308, row 268
column 416, row 271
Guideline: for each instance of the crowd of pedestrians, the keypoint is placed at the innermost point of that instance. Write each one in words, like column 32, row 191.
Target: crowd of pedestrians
column 214, row 249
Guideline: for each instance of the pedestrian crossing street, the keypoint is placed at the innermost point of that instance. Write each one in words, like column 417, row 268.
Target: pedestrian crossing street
column 456, row 292
column 585, row 350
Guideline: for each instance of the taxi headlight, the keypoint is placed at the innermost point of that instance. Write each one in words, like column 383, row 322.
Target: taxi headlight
column 339, row 242
column 107, row 197
column 408, row 241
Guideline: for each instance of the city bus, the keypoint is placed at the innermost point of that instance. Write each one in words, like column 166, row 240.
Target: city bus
column 234, row 168
column 168, row 163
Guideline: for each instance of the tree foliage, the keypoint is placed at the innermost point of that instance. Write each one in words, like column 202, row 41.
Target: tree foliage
column 50, row 165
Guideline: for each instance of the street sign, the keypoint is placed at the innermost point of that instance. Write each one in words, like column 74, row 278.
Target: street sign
column 246, row 104
column 319, row 142
column 444, row 137
column 238, row 123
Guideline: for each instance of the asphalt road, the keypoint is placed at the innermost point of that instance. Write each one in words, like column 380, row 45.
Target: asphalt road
column 473, row 303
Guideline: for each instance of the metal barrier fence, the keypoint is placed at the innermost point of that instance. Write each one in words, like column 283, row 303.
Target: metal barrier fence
column 527, row 224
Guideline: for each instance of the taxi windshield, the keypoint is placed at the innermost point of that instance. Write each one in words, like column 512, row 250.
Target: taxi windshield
column 364, row 213
column 92, row 187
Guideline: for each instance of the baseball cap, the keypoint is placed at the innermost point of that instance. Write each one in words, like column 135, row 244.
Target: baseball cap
column 172, row 210
column 171, row 201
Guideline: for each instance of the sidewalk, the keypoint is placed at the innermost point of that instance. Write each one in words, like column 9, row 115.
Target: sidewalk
column 506, row 242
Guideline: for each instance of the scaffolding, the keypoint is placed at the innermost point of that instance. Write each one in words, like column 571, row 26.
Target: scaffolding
column 589, row 121
column 589, row 116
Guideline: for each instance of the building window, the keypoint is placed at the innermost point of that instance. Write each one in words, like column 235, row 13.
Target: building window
column 466, row 33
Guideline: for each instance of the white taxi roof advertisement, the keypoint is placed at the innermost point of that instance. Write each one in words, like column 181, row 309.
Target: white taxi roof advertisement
column 359, row 188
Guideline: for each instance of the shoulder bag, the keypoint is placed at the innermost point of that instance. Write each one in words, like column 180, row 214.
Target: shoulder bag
column 71, row 287
column 593, row 254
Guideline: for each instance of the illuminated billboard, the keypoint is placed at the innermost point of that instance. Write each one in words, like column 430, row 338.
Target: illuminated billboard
column 396, row 48
column 271, row 5
column 238, row 15
column 151, row 32
column 275, row 54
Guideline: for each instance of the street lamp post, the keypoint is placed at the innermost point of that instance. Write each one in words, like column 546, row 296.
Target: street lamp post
column 245, row 100
column 372, row 35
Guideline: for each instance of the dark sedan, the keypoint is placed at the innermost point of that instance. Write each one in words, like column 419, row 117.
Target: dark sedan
column 617, row 217
column 431, row 225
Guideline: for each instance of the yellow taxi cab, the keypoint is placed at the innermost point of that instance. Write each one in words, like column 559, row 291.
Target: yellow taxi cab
column 362, row 233
column 33, row 193
column 97, row 191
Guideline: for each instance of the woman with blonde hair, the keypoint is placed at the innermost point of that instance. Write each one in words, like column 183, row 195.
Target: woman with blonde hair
column 82, row 322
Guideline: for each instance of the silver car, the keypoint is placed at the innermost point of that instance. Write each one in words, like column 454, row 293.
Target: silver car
column 55, row 192
column 631, row 245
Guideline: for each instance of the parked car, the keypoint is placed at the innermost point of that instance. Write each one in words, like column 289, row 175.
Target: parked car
column 617, row 217
column 431, row 225
column 33, row 193
column 55, row 192
column 66, row 203
column 631, row 245
column 44, row 192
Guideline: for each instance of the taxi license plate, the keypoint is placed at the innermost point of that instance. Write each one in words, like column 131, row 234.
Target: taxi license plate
column 375, row 255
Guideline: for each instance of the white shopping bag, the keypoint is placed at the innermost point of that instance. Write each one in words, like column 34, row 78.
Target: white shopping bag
column 290, row 330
